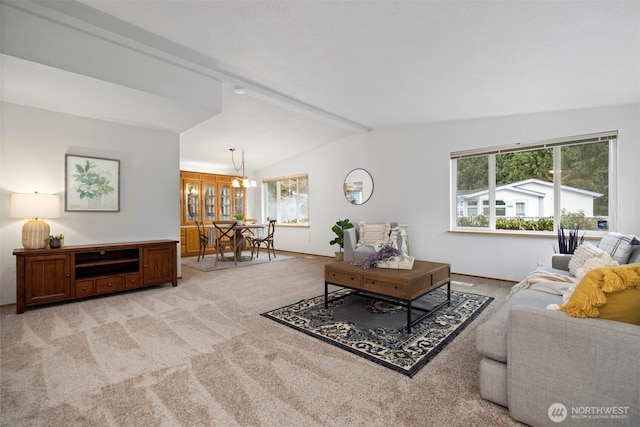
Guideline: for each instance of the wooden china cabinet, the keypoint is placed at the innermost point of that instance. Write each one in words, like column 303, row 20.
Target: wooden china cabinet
column 206, row 197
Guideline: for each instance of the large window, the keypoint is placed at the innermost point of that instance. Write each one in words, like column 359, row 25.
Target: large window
column 287, row 199
column 539, row 186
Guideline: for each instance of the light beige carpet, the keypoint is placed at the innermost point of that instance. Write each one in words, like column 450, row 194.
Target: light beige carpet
column 200, row 354
column 208, row 263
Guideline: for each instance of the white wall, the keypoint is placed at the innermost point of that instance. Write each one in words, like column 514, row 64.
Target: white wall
column 409, row 165
column 411, row 171
column 32, row 155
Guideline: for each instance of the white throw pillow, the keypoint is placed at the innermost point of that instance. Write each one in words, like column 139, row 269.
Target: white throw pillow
column 370, row 234
column 582, row 254
column 618, row 246
column 595, row 262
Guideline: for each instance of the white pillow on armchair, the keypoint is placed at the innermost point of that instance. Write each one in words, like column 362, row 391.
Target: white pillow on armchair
column 373, row 233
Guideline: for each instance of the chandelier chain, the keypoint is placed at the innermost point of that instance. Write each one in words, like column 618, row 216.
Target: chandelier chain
column 246, row 182
column 234, row 162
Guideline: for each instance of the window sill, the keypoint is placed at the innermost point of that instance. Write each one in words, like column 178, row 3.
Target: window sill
column 292, row 225
column 591, row 235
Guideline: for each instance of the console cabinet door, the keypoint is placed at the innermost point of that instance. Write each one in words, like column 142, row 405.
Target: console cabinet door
column 159, row 264
column 47, row 279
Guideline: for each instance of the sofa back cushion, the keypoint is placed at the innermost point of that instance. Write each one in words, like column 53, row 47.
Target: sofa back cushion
column 634, row 258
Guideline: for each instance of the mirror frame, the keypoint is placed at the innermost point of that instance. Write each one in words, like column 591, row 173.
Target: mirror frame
column 365, row 188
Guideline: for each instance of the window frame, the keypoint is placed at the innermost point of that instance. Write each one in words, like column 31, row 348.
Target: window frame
column 556, row 144
column 265, row 204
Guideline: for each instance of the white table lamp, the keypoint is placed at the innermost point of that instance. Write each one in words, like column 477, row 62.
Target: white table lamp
column 35, row 206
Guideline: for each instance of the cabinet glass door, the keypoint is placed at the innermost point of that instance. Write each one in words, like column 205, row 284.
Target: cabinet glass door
column 191, row 201
column 225, row 202
column 209, row 201
column 238, row 200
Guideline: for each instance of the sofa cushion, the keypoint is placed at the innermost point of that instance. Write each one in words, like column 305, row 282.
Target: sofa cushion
column 634, row 258
column 491, row 336
column 373, row 233
column 551, row 270
column 582, row 253
column 618, row 246
column 610, row 293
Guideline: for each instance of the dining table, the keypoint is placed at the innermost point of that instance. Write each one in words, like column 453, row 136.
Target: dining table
column 247, row 231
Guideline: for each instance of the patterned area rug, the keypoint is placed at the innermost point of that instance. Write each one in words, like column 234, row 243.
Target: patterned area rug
column 376, row 330
column 208, row 263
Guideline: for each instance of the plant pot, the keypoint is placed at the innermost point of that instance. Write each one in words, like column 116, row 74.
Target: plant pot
column 339, row 256
column 55, row 243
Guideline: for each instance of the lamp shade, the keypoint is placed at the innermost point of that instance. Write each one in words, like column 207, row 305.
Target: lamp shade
column 35, row 205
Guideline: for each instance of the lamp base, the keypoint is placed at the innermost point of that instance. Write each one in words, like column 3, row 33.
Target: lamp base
column 34, row 234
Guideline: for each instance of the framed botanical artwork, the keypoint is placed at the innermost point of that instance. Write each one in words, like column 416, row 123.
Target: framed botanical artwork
column 92, row 184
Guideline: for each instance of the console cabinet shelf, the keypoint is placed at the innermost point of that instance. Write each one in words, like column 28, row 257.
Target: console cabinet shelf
column 53, row 275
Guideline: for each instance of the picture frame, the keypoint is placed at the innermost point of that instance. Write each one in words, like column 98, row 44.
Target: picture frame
column 92, row 184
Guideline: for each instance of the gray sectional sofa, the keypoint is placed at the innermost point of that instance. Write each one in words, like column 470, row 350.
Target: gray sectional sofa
column 547, row 367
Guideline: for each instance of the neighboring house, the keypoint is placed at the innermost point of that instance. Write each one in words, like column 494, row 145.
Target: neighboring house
column 530, row 198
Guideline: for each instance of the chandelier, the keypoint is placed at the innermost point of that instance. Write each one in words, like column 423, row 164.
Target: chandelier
column 246, row 183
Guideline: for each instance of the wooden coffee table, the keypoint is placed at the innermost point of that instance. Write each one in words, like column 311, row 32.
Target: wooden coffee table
column 404, row 286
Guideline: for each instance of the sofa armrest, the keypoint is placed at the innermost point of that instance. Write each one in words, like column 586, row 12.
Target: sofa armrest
column 555, row 358
column 561, row 261
column 350, row 239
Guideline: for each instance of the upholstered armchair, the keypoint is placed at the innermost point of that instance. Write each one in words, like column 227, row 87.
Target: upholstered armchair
column 359, row 241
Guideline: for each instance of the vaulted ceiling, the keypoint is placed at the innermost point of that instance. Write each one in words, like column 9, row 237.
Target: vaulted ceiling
column 317, row 71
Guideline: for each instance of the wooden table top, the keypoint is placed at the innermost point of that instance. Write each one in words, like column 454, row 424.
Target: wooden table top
column 399, row 283
column 419, row 268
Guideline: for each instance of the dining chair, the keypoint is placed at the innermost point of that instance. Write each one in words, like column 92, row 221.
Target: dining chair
column 203, row 236
column 249, row 234
column 267, row 240
column 226, row 237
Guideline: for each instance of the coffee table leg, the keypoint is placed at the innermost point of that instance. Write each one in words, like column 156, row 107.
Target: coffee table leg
column 449, row 293
column 409, row 317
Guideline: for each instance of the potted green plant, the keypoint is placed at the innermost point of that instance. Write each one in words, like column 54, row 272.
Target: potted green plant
column 239, row 217
column 338, row 228
column 55, row 241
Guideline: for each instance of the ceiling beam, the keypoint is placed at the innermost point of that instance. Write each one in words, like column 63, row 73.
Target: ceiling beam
column 99, row 24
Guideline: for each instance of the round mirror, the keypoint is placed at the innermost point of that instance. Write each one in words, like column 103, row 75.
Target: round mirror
column 358, row 186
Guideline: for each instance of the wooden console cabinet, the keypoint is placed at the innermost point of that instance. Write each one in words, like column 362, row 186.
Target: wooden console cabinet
column 52, row 275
